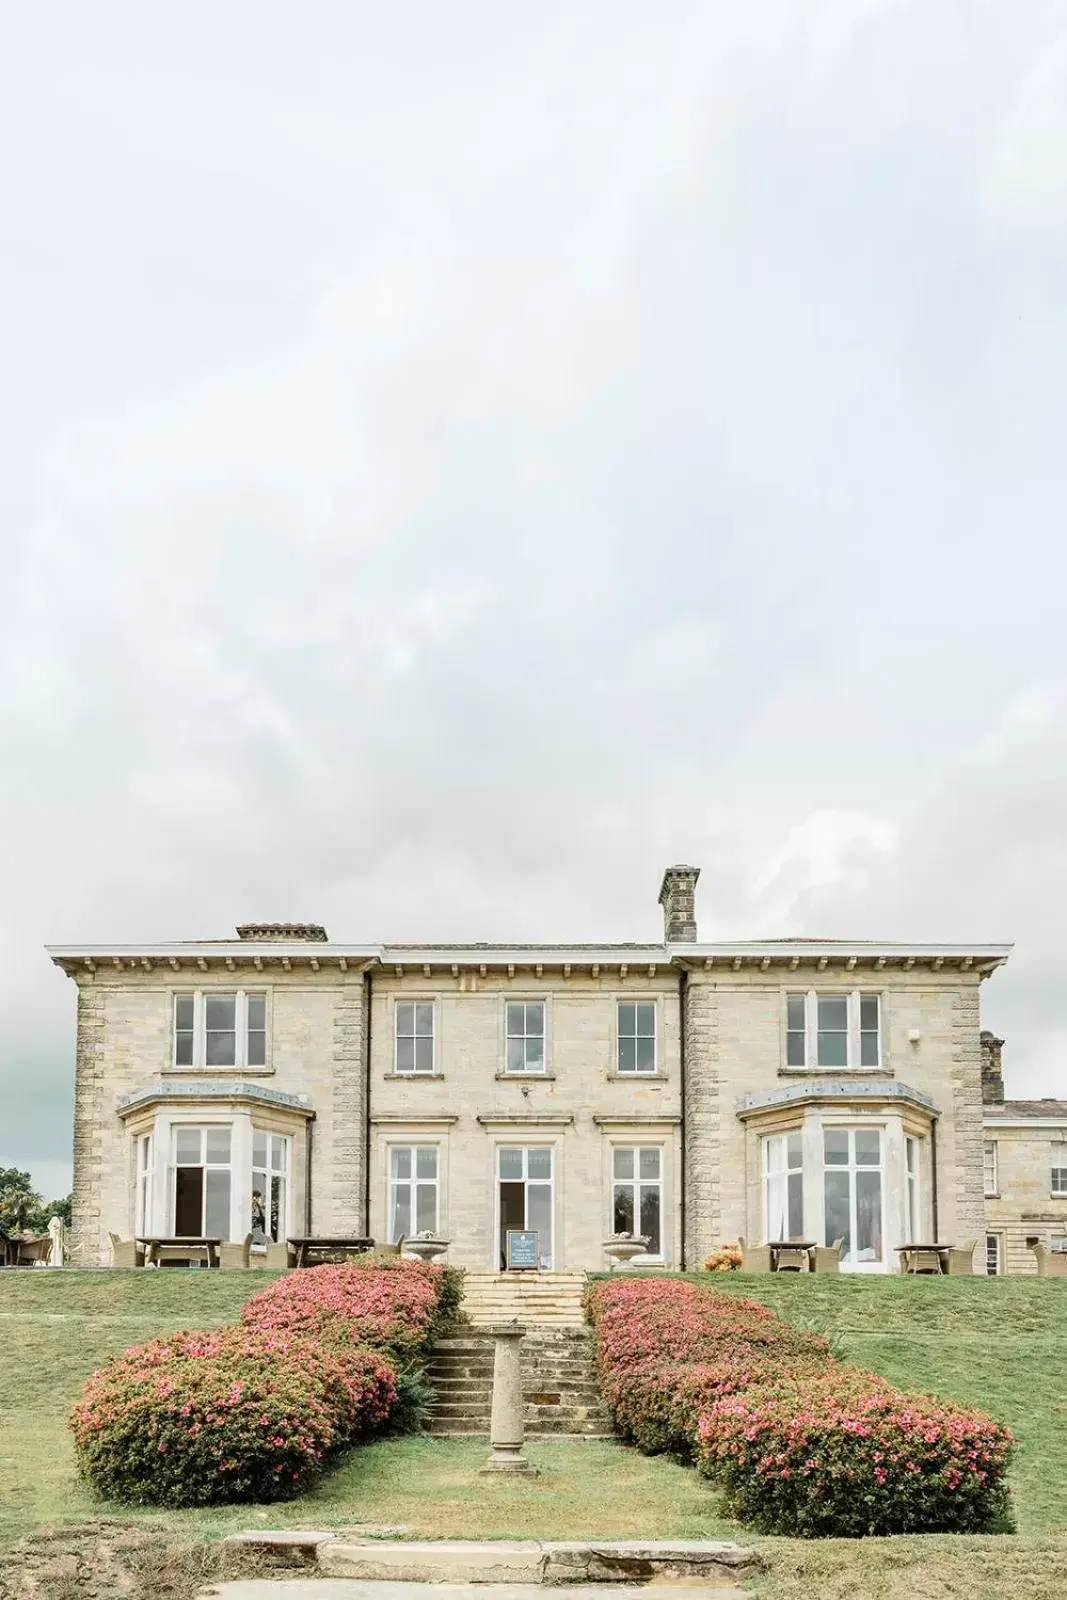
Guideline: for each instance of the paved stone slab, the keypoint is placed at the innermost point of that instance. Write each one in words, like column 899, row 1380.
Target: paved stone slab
column 456, row 1560
column 354, row 1589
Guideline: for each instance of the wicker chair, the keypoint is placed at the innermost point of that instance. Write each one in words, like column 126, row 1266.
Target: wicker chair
column 236, row 1255
column 961, row 1259
column 754, row 1257
column 828, row 1256
column 125, row 1252
column 1050, row 1263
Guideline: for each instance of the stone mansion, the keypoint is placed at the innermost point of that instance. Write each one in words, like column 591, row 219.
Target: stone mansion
column 693, row 1093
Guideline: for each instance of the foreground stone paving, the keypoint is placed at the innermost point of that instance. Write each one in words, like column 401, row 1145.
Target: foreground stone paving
column 353, row 1589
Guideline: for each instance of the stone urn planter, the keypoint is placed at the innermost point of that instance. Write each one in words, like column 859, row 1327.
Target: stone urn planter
column 425, row 1246
column 621, row 1249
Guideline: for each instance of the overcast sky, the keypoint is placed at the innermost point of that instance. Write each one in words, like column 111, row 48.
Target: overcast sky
column 459, row 458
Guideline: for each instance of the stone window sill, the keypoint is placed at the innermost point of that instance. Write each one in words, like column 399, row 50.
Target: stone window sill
column 525, row 1077
column 218, row 1072
column 414, row 1077
column 637, row 1077
column 859, row 1073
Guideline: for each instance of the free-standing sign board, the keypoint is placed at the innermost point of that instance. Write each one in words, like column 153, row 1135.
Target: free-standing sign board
column 523, row 1250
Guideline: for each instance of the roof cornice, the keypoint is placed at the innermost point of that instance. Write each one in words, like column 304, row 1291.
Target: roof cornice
column 789, row 954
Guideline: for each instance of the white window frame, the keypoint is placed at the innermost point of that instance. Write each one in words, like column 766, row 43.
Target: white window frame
column 271, row 1172
column 913, row 1188
column 635, row 1071
column 415, row 1071
column 994, row 1259
column 145, row 1146
column 547, row 1260
column 991, row 1168
column 1058, row 1175
column 853, row 1047
column 779, row 1175
column 205, row 1166
column 526, row 1071
column 199, row 1062
column 411, row 1184
column 635, row 1185
column 854, row 1168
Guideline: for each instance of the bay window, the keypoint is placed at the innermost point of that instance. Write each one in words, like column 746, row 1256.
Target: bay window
column 912, row 1213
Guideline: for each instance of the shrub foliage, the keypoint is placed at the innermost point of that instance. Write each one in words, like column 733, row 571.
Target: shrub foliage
column 802, row 1444
column 320, row 1359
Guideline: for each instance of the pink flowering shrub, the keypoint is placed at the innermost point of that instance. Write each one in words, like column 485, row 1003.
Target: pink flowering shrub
column 667, row 1349
column 846, row 1454
column 233, row 1414
column 801, row 1443
column 383, row 1301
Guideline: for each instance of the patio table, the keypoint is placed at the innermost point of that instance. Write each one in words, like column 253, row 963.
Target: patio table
column 305, row 1247
column 924, row 1258
column 155, row 1244
column 790, row 1255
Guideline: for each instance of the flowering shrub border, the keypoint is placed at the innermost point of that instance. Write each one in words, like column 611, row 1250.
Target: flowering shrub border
column 254, row 1411
column 227, row 1415
column 801, row 1444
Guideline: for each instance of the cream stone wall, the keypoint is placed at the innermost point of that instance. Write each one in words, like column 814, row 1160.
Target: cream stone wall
column 1024, row 1206
column 316, row 1049
column 470, row 1106
column 736, row 1046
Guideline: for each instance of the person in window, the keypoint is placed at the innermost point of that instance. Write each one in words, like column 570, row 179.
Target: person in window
column 259, row 1219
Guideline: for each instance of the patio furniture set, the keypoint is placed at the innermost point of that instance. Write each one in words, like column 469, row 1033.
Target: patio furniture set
column 166, row 1250
column 805, row 1255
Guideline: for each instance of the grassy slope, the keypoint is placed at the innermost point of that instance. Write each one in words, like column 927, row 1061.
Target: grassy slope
column 56, row 1328
column 999, row 1344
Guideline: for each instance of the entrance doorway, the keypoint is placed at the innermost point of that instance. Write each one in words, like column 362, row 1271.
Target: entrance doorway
column 525, row 1188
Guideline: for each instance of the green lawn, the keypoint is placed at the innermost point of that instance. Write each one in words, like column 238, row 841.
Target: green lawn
column 1000, row 1344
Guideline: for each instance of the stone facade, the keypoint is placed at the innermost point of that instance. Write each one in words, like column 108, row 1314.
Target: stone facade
column 321, row 1070
column 1026, row 1167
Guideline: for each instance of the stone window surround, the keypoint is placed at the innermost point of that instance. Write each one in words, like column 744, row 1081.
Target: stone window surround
column 651, row 997
column 200, row 1067
column 396, row 1140
column 851, row 992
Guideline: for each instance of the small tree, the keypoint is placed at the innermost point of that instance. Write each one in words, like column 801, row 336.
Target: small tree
column 21, row 1208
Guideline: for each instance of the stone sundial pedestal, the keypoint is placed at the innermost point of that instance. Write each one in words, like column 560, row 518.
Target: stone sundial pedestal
column 506, row 1429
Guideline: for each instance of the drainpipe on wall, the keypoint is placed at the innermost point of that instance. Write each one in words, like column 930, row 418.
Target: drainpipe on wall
column 933, row 1173
column 308, row 1125
column 368, row 996
column 682, row 989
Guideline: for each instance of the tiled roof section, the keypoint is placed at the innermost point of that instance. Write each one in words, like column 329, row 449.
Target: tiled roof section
column 306, row 932
column 1014, row 1109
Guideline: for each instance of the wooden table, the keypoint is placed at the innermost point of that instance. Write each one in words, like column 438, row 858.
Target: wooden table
column 156, row 1244
column 304, row 1248
column 795, row 1248
column 917, row 1258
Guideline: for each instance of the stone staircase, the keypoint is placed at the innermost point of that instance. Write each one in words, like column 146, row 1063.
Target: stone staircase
column 559, row 1388
column 536, row 1299
column 558, row 1384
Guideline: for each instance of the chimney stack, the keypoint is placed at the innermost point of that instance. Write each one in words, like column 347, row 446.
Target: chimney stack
column 274, row 932
column 992, row 1069
column 676, row 896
